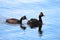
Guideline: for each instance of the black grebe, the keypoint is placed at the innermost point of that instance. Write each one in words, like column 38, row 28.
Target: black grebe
column 15, row 21
column 36, row 23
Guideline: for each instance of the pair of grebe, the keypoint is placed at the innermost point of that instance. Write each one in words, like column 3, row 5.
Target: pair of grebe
column 32, row 22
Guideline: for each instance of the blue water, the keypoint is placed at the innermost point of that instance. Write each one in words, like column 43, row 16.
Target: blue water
column 16, row 9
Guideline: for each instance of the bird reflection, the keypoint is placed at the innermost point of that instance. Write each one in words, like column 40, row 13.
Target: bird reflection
column 40, row 33
column 22, row 26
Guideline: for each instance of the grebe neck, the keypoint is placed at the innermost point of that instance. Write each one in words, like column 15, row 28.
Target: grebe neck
column 21, row 21
column 40, row 19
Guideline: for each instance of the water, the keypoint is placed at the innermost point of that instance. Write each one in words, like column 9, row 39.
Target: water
column 15, row 9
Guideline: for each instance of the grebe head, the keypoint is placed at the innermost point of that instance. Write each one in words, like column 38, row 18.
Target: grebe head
column 24, row 17
column 41, row 14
